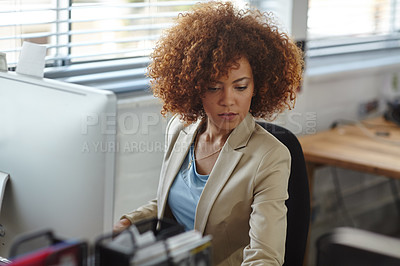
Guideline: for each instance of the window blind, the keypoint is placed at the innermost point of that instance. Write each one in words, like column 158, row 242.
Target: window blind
column 99, row 43
column 85, row 30
column 342, row 26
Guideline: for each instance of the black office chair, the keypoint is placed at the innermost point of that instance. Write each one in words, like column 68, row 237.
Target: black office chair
column 357, row 247
column 298, row 204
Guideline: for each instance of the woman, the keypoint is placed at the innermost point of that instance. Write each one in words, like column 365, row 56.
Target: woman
column 217, row 69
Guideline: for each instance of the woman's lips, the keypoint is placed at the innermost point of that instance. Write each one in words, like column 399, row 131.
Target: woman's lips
column 228, row 116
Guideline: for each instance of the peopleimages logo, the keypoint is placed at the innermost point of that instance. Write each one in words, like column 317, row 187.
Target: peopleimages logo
column 302, row 123
column 141, row 133
column 298, row 123
column 123, row 147
column 125, row 123
column 136, row 132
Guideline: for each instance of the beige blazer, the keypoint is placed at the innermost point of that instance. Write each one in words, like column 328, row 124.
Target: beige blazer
column 243, row 202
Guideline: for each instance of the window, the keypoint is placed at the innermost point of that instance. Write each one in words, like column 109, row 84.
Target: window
column 345, row 26
column 85, row 30
column 99, row 43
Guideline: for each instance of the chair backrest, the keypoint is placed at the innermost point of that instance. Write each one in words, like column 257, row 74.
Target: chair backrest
column 357, row 247
column 298, row 204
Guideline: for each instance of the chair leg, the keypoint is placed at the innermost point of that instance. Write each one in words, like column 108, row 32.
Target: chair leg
column 395, row 193
column 339, row 197
column 311, row 167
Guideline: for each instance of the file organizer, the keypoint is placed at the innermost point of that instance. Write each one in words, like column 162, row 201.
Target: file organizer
column 154, row 242
column 54, row 251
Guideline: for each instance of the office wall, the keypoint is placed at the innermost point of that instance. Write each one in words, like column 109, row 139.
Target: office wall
column 327, row 98
column 140, row 149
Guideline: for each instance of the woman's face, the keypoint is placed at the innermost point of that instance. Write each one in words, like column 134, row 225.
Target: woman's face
column 227, row 100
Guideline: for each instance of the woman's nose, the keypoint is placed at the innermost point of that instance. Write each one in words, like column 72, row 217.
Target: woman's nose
column 227, row 97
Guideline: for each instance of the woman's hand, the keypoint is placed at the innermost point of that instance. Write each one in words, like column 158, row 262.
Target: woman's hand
column 121, row 225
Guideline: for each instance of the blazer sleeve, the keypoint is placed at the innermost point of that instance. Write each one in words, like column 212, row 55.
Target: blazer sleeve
column 144, row 212
column 268, row 217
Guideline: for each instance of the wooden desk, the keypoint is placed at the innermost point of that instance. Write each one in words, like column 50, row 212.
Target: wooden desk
column 373, row 146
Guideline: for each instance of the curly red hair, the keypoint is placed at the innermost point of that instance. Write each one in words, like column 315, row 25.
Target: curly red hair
column 205, row 43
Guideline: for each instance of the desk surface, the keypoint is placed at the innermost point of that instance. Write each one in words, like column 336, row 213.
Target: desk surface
column 371, row 146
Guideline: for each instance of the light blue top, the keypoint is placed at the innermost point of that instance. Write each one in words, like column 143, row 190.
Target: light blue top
column 185, row 192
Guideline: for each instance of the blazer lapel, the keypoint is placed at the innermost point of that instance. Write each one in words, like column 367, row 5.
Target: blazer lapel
column 222, row 170
column 174, row 163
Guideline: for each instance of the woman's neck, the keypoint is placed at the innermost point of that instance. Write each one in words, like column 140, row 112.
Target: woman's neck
column 211, row 134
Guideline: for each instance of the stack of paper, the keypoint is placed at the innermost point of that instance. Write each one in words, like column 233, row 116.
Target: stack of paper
column 184, row 249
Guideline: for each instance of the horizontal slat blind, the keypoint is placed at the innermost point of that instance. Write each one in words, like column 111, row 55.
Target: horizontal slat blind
column 352, row 25
column 85, row 30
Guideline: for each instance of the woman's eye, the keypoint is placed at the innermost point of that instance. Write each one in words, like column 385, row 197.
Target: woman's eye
column 211, row 89
column 241, row 88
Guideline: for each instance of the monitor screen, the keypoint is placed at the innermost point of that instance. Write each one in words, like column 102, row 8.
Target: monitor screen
column 56, row 144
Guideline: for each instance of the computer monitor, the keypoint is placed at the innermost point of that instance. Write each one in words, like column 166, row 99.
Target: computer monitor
column 57, row 145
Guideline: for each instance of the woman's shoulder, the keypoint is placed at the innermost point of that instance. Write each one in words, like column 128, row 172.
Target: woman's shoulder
column 175, row 124
column 264, row 141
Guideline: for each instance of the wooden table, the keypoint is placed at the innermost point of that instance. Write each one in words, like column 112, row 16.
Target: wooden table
column 371, row 146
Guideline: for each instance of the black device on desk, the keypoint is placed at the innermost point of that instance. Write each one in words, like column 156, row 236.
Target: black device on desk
column 393, row 111
column 357, row 247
